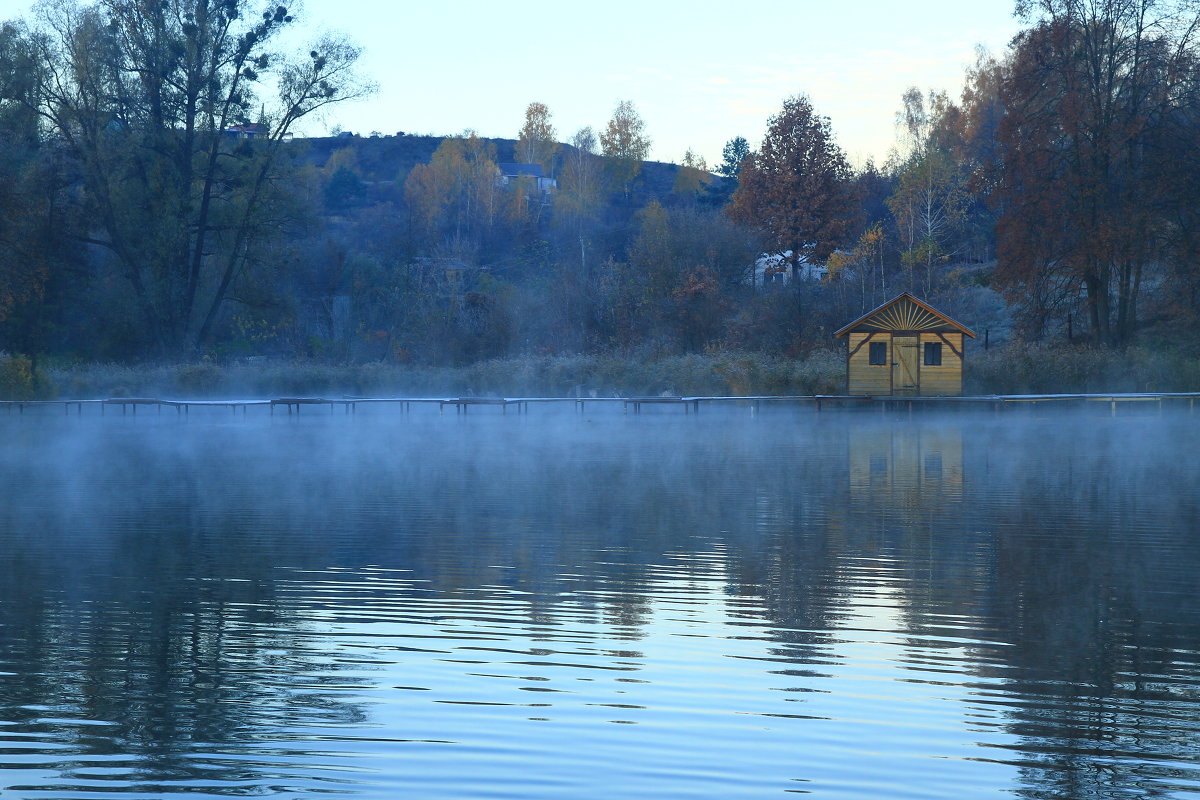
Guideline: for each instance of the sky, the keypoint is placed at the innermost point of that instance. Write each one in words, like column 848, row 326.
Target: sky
column 699, row 73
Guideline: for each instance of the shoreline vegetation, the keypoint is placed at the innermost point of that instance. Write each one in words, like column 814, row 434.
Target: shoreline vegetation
column 164, row 231
column 1013, row 369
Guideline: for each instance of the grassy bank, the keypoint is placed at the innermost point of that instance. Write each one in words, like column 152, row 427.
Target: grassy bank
column 1067, row 369
column 1022, row 369
column 600, row 375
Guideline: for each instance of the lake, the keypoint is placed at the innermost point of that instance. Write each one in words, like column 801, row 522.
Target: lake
column 564, row 605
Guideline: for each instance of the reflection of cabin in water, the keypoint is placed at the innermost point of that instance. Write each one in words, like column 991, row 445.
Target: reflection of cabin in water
column 905, row 348
column 907, row 464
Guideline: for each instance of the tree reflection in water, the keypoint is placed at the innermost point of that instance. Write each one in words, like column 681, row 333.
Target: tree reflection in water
column 187, row 605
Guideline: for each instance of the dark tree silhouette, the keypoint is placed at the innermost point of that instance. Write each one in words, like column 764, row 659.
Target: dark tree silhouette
column 160, row 102
column 1090, row 88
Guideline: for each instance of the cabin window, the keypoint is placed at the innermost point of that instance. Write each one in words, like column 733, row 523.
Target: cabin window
column 933, row 465
column 933, row 354
column 879, row 470
column 878, row 354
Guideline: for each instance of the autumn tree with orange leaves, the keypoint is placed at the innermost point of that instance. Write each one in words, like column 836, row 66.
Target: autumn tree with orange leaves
column 796, row 188
column 455, row 198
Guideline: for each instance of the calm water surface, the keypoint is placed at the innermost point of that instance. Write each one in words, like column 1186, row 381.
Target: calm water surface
column 560, row 606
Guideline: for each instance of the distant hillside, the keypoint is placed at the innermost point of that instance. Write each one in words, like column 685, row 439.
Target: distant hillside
column 391, row 158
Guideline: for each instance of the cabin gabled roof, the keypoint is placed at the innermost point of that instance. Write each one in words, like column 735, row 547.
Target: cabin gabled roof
column 905, row 313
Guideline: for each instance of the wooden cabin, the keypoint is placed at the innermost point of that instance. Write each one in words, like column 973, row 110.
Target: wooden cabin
column 905, row 348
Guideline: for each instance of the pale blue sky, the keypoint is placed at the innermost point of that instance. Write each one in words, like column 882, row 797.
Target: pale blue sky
column 699, row 73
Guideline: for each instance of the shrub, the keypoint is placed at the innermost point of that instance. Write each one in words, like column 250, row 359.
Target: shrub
column 1023, row 368
column 719, row 373
column 19, row 382
column 1016, row 368
column 200, row 380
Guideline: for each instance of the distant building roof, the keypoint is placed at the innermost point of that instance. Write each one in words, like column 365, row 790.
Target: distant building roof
column 530, row 170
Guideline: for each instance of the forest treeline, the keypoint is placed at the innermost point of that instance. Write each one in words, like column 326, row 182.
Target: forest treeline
column 154, row 204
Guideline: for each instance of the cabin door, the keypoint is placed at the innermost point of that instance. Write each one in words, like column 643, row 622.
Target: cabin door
column 905, row 370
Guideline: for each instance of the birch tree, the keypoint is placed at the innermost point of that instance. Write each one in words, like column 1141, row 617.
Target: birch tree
column 625, row 144
column 931, row 197
column 537, row 141
column 692, row 174
column 455, row 197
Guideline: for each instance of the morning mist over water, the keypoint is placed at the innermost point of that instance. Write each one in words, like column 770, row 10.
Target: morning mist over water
column 585, row 605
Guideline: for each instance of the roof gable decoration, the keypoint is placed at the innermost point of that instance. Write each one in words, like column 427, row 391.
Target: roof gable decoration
column 904, row 313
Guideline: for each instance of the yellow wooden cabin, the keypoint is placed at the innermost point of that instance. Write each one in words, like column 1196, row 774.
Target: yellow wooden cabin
column 905, row 348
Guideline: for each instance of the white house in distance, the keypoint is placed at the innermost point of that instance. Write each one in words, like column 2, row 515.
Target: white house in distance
column 775, row 268
column 253, row 130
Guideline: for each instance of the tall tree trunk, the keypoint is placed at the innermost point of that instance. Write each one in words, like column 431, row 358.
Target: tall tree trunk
column 1098, row 306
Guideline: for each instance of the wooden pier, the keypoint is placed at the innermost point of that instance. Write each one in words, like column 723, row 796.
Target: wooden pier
column 632, row 405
